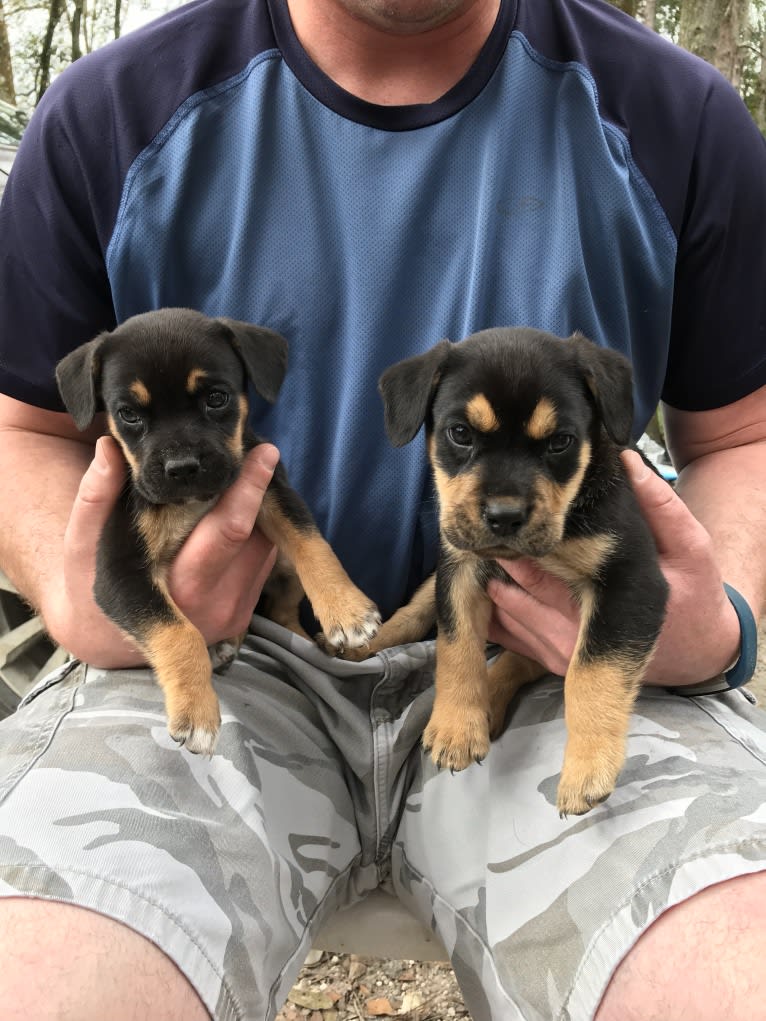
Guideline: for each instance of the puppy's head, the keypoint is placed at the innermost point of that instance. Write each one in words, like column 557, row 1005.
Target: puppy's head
column 173, row 385
column 512, row 417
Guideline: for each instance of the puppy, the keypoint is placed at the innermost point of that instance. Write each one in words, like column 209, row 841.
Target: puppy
column 173, row 385
column 524, row 432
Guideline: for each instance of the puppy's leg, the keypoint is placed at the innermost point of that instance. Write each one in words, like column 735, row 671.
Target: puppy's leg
column 179, row 657
column 600, row 689
column 347, row 617
column 410, row 623
column 457, row 733
column 506, row 675
column 281, row 597
column 138, row 602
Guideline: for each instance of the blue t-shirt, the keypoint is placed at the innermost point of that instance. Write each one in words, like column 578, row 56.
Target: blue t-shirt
column 585, row 175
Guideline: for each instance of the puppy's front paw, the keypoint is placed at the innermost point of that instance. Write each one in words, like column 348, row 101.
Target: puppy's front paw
column 196, row 725
column 353, row 629
column 223, row 654
column 456, row 740
column 585, row 782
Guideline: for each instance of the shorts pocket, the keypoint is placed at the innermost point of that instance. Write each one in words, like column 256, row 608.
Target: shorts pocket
column 27, row 733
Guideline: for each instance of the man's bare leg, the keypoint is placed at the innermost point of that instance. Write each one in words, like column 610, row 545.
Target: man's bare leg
column 71, row 964
column 701, row 960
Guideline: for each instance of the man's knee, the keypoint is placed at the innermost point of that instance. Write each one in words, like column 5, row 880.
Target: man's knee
column 65, row 962
column 702, row 959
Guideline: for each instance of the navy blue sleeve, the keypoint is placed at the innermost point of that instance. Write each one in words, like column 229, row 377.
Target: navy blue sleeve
column 718, row 344
column 63, row 194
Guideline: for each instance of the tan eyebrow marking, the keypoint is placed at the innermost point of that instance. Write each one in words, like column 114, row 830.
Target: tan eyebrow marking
column 194, row 379
column 481, row 415
column 141, row 392
column 542, row 422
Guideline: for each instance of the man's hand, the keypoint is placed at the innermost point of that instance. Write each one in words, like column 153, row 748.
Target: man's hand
column 216, row 578
column 537, row 617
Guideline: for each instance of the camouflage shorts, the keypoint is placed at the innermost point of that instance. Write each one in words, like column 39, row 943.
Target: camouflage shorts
column 318, row 793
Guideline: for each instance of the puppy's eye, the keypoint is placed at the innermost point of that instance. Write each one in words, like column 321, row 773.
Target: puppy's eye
column 217, row 399
column 560, row 442
column 128, row 415
column 460, row 435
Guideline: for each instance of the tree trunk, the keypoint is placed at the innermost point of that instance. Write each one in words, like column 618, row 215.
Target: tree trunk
column 43, row 77
column 650, row 13
column 714, row 30
column 759, row 98
column 629, row 6
column 7, row 88
column 75, row 28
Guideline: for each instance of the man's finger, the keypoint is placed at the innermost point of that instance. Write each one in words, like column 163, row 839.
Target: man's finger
column 673, row 525
column 99, row 488
column 221, row 533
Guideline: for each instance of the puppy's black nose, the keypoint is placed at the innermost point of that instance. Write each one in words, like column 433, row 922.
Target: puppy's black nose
column 504, row 519
column 181, row 469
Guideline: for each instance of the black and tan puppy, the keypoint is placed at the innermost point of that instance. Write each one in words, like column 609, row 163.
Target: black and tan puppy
column 524, row 432
column 173, row 385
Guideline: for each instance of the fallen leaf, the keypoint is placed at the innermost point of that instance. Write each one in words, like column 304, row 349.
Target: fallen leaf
column 310, row 998
column 379, row 1006
column 410, row 1002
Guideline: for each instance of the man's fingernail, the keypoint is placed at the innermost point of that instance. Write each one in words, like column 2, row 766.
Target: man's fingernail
column 268, row 456
column 639, row 468
column 100, row 460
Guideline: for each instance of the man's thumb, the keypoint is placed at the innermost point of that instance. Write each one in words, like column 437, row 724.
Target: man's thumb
column 99, row 488
column 666, row 514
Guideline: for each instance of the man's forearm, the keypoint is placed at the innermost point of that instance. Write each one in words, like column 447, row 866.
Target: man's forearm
column 726, row 492
column 43, row 461
column 41, row 474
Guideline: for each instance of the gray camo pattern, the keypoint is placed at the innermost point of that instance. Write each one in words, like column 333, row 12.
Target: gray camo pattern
column 318, row 793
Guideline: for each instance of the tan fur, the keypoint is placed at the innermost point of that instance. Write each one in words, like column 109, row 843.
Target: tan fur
column 179, row 657
column 506, row 675
column 481, row 415
column 193, row 380
column 578, row 561
column 165, row 526
column 141, row 392
column 126, row 451
column 543, row 420
column 458, row 493
column 339, row 606
column 282, row 597
column 458, row 730
column 234, row 442
column 409, row 624
column 553, row 501
column 599, row 697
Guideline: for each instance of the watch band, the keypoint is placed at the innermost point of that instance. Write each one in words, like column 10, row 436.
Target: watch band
column 742, row 671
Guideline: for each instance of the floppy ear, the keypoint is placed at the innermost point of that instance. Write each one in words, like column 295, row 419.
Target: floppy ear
column 263, row 353
column 407, row 389
column 609, row 377
column 78, row 375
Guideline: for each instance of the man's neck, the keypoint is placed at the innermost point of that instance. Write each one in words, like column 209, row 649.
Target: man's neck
column 390, row 60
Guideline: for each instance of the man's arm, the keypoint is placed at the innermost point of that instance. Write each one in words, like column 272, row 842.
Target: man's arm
column 710, row 530
column 56, row 499
column 720, row 456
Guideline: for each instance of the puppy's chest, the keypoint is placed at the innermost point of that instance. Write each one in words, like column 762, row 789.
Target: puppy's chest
column 579, row 561
column 163, row 528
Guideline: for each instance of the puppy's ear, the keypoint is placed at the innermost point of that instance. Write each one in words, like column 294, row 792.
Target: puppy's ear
column 407, row 389
column 609, row 378
column 263, row 353
column 78, row 375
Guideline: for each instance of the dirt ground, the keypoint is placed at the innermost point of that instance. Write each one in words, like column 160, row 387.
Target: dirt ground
column 344, row 987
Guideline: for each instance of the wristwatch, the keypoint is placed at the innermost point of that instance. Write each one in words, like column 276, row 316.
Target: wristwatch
column 744, row 668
